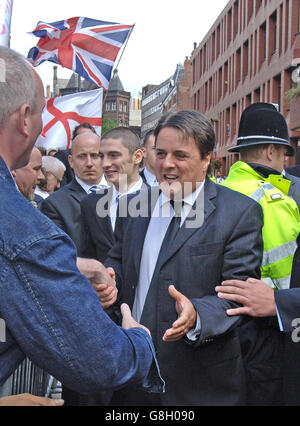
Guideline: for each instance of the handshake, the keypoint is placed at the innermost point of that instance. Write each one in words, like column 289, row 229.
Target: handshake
column 103, row 281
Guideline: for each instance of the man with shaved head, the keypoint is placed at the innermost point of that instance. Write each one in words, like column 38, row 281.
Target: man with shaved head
column 63, row 206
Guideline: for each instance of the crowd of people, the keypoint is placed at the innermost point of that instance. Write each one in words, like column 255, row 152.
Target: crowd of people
column 156, row 285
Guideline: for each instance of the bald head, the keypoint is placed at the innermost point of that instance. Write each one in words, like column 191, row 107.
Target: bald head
column 85, row 159
column 83, row 139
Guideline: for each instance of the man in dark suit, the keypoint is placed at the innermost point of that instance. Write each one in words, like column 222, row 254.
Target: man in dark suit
column 294, row 190
column 259, row 300
column 167, row 266
column 149, row 159
column 120, row 158
column 63, row 206
column 63, row 155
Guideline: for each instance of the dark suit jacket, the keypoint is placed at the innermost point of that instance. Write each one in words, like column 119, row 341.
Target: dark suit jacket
column 97, row 232
column 294, row 191
column 288, row 301
column 228, row 245
column 63, row 207
column 288, row 306
column 294, row 170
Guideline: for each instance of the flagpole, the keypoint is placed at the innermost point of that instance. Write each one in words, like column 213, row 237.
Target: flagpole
column 104, row 99
column 125, row 46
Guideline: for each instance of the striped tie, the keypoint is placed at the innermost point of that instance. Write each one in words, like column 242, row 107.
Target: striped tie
column 95, row 188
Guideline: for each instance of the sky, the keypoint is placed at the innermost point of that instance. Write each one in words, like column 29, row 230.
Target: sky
column 164, row 32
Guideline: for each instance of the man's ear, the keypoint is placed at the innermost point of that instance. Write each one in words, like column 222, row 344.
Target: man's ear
column 138, row 156
column 270, row 151
column 23, row 122
column 70, row 158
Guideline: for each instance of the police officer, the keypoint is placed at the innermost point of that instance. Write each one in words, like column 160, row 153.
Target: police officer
column 263, row 143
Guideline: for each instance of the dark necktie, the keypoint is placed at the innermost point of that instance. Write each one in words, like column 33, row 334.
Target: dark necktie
column 95, row 188
column 149, row 311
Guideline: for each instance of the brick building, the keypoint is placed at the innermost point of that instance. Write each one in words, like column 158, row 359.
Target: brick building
column 179, row 96
column 117, row 102
column 248, row 56
column 171, row 95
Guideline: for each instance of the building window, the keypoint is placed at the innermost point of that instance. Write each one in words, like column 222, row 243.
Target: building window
column 107, row 107
column 262, row 44
column 113, row 106
column 121, row 106
column 273, row 33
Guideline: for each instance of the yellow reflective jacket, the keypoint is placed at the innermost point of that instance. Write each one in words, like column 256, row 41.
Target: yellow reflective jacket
column 281, row 220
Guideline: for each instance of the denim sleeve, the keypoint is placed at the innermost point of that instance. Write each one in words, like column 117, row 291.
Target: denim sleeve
column 57, row 320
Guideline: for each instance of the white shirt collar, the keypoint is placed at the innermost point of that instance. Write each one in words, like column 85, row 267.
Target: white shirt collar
column 134, row 188
column 150, row 177
column 40, row 192
column 86, row 187
column 189, row 199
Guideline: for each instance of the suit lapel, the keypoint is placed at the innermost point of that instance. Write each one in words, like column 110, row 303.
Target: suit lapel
column 76, row 191
column 104, row 223
column 140, row 227
column 208, row 196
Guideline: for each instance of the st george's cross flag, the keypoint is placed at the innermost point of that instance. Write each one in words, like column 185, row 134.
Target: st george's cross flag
column 87, row 46
column 62, row 114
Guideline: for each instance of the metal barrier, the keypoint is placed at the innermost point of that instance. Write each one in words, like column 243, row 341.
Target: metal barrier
column 29, row 378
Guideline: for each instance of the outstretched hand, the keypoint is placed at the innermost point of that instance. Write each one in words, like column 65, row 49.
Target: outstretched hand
column 128, row 321
column 186, row 320
column 257, row 297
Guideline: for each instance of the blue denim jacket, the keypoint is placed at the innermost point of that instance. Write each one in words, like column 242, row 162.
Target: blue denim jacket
column 51, row 312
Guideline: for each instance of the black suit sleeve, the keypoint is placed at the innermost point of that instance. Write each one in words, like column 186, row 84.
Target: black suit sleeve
column 288, row 306
column 242, row 259
column 87, row 249
column 49, row 209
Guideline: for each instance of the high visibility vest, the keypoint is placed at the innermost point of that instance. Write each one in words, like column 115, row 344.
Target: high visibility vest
column 281, row 220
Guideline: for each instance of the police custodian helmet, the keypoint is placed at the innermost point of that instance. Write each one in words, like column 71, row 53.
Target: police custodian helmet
column 261, row 123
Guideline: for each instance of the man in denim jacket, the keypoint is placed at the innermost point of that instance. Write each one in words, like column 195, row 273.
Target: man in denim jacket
column 51, row 312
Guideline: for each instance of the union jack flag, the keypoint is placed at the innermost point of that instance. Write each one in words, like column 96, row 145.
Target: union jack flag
column 87, row 46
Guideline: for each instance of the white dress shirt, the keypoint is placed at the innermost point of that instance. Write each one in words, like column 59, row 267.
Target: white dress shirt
column 41, row 193
column 86, row 187
column 150, row 177
column 115, row 197
column 158, row 225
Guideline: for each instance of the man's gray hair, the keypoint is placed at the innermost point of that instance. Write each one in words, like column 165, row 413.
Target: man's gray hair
column 17, row 84
column 52, row 165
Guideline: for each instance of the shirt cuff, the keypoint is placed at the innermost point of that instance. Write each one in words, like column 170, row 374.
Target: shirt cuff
column 279, row 320
column 194, row 333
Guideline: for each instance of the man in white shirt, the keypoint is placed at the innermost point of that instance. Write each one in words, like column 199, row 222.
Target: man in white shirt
column 149, row 157
column 167, row 263
column 120, row 155
column 63, row 206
